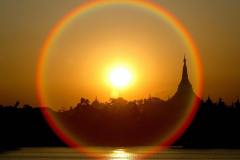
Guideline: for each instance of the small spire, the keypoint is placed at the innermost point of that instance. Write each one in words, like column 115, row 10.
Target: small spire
column 184, row 72
column 184, row 85
column 96, row 99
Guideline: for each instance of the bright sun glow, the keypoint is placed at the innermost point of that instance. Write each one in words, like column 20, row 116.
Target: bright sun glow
column 120, row 154
column 120, row 77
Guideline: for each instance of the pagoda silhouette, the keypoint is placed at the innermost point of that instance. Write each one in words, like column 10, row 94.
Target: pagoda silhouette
column 185, row 87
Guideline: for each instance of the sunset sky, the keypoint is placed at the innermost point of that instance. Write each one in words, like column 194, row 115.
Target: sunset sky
column 24, row 25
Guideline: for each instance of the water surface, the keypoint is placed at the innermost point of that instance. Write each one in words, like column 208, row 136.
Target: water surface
column 61, row 153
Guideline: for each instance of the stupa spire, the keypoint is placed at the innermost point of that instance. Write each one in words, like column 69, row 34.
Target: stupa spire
column 184, row 83
column 184, row 87
column 184, row 71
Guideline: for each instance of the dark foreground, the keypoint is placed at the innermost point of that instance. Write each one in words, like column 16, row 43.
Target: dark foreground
column 215, row 126
column 120, row 154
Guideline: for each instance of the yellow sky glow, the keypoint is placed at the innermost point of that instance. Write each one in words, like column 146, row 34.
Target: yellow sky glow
column 126, row 30
column 107, row 54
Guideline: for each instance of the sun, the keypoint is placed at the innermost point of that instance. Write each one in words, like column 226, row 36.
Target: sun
column 120, row 77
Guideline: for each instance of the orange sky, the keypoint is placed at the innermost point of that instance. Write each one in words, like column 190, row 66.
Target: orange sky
column 213, row 25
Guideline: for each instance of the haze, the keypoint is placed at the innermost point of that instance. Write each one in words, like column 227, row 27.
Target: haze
column 214, row 26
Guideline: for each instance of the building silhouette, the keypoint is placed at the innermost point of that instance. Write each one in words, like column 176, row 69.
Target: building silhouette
column 184, row 90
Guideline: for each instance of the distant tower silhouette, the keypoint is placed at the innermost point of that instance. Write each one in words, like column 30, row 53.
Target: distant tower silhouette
column 184, row 84
column 184, row 73
column 184, row 87
column 95, row 103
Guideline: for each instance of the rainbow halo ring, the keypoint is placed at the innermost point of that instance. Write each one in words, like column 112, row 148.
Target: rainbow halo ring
column 85, row 8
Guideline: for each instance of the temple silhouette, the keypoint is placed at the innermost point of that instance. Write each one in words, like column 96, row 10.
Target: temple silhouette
column 119, row 122
column 184, row 86
column 184, row 92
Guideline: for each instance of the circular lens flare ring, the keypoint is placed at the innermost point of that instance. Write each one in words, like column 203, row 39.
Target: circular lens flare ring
column 156, row 9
